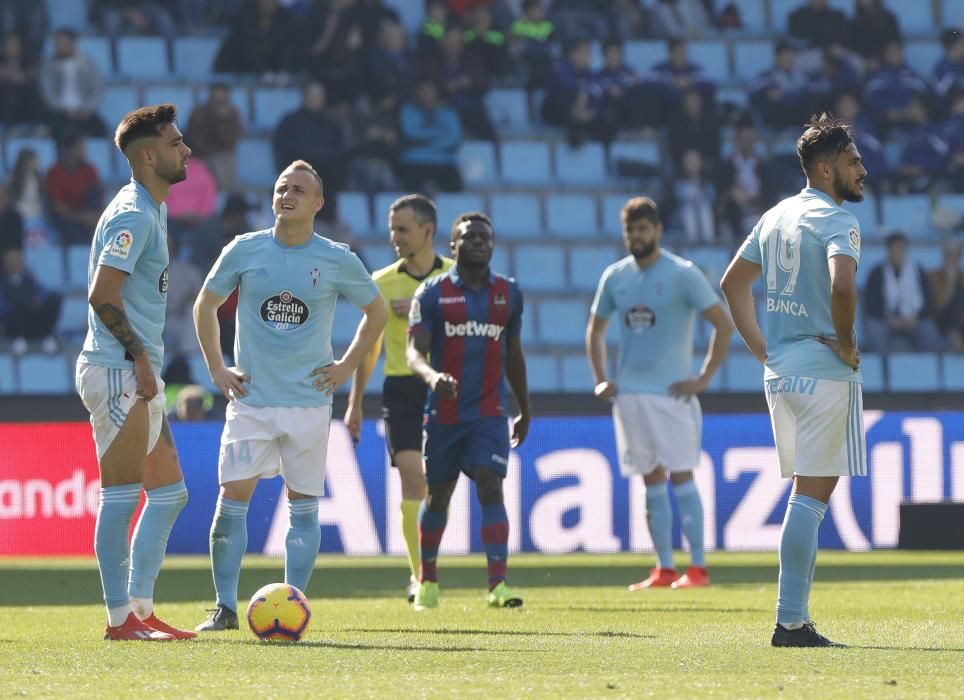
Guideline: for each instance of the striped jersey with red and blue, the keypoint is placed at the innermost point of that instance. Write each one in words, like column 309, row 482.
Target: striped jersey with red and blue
column 469, row 332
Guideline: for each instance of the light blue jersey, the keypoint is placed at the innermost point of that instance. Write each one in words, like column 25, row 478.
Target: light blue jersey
column 793, row 243
column 656, row 308
column 131, row 236
column 286, row 306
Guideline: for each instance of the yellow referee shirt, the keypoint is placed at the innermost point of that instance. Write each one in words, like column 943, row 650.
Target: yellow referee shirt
column 395, row 282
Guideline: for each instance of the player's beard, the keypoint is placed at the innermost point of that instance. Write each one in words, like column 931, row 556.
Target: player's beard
column 847, row 193
column 473, row 264
column 173, row 174
column 642, row 250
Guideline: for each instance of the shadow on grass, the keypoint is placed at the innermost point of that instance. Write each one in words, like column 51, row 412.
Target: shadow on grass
column 647, row 609
column 882, row 648
column 358, row 646
column 499, row 633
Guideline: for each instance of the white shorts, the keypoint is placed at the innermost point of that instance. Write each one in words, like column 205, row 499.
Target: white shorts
column 654, row 430
column 109, row 395
column 818, row 426
column 265, row 441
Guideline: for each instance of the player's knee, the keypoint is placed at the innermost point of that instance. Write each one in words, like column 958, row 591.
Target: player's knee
column 438, row 497
column 489, row 486
column 679, row 478
column 655, row 477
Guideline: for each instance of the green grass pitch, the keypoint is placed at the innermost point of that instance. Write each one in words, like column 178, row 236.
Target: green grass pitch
column 580, row 633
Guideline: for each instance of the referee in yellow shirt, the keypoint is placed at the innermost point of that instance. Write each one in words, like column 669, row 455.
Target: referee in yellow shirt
column 412, row 221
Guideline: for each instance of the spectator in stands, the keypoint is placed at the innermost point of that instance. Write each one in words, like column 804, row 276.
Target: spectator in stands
column 261, row 41
column 579, row 20
column 691, row 200
column 75, row 191
column 372, row 137
column 372, row 16
column 573, row 99
column 819, row 25
column 898, row 304
column 184, row 281
column 837, row 73
column 781, row 94
column 740, row 187
column 215, row 128
column 336, row 50
column 947, row 283
column 121, row 17
column 72, row 88
column 215, row 233
column 890, row 91
column 848, row 109
column 430, row 136
column 486, row 42
column 192, row 200
column 953, row 135
column 923, row 159
column 695, row 126
column 390, row 67
column 871, row 28
column 28, row 189
column 530, row 43
column 31, row 311
column 949, row 72
column 28, row 20
column 680, row 19
column 432, row 30
column 193, row 404
column 11, row 223
column 679, row 74
column 310, row 133
column 625, row 101
column 464, row 81
column 18, row 84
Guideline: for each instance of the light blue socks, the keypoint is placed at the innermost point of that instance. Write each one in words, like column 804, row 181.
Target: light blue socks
column 117, row 506
column 302, row 542
column 659, row 516
column 691, row 518
column 798, row 556
column 150, row 539
column 229, row 540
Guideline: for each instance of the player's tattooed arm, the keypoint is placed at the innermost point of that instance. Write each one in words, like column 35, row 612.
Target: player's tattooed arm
column 105, row 298
column 116, row 321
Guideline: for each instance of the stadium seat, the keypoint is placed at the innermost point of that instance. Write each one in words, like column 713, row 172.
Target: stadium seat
column 354, row 210
column 912, row 371
column 922, row 56
column 78, row 258
column 68, row 13
column 953, row 14
column 516, row 215
column 45, row 149
column 587, row 263
column 930, row 257
column 525, row 163
column 910, row 213
column 641, row 56
column 179, row 95
column 751, row 58
column 716, row 383
column 753, row 15
column 412, row 14
column 272, row 104
column 539, row 267
column 915, row 17
column 743, row 373
column 72, row 322
column 118, row 100
column 712, row 261
column 576, row 377
column 142, row 57
column 563, row 321
column 44, row 374
column 866, row 213
column 633, row 154
column 501, row 262
column 585, row 165
column 713, row 56
column 347, row 316
column 8, row 376
column 870, row 257
column 46, row 262
column 735, row 97
column 872, row 372
column 381, row 202
column 952, row 204
column 542, row 371
column 99, row 50
column 953, row 372
column 477, row 162
column 256, row 163
column 240, row 98
column 450, row 205
column 612, row 205
column 194, row 56
column 379, row 255
column 571, row 215
column 508, row 109
column 100, row 154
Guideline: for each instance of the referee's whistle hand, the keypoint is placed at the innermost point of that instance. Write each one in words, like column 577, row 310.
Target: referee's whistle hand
column 400, row 307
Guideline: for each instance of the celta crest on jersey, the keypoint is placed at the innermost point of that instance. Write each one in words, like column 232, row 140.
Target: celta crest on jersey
column 640, row 317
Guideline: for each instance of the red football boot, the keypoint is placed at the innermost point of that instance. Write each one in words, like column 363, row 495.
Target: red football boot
column 695, row 577
column 133, row 630
column 161, row 626
column 658, row 578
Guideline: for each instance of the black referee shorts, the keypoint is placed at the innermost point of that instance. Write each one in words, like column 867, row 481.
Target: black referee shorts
column 403, row 405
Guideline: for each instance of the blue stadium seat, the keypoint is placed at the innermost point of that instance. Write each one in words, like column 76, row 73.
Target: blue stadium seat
column 644, row 152
column 381, row 202
column 516, row 215
column 44, row 374
column 743, row 373
column 910, row 213
column 923, row 56
column 952, row 202
column 194, row 56
column 915, row 17
column 712, row 261
column 953, row 14
column 256, row 163
column 929, row 257
column 525, row 162
column 500, row 262
column 347, row 316
column 643, row 55
column 118, row 100
column 272, row 104
column 181, row 96
column 8, row 375
column 68, row 13
column 612, row 205
column 585, row 165
column 47, row 264
column 751, row 58
column 542, row 371
column 450, row 205
column 412, row 14
column 576, row 376
column 713, row 56
column 100, row 154
column 587, row 263
column 735, row 96
column 379, row 255
column 45, row 149
column 866, row 213
column 540, row 267
column 870, row 257
column 953, row 372
column 563, row 321
column 240, row 98
column 477, row 162
column 78, row 258
column 753, row 14
column 716, row 383
column 508, row 108
column 872, row 372
column 98, row 48
column 354, row 209
column 142, row 57
column 571, row 215
column 913, row 371
column 72, row 323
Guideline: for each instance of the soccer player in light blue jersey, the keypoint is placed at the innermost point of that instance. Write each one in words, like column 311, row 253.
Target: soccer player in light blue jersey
column 655, row 297
column 807, row 247
column 117, row 376
column 279, row 394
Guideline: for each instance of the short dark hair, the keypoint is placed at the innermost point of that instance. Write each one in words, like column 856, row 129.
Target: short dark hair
column 639, row 208
column 307, row 167
column 895, row 237
column 471, row 216
column 422, row 208
column 143, row 122
column 824, row 136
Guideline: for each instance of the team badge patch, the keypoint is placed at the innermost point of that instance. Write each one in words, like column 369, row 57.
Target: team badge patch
column 499, row 300
column 640, row 317
column 854, row 235
column 120, row 247
column 415, row 313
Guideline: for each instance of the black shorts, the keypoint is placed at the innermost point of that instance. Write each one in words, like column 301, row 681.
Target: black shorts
column 403, row 405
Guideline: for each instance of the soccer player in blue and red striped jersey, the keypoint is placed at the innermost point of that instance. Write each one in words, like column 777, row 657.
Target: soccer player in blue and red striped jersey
column 468, row 322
